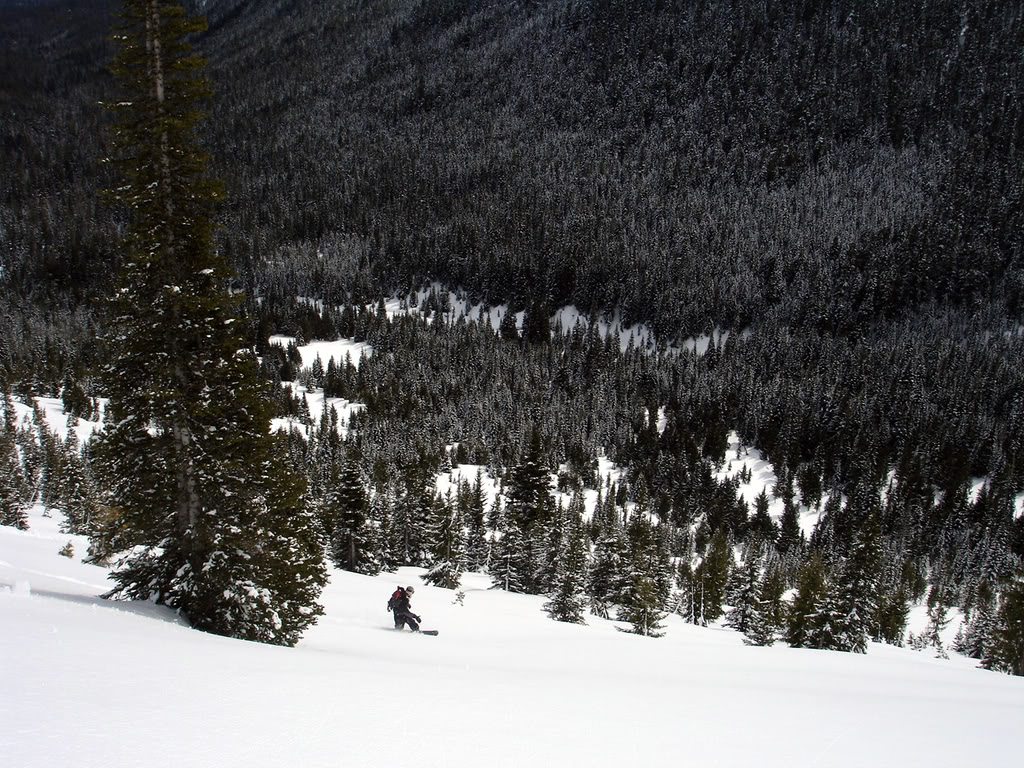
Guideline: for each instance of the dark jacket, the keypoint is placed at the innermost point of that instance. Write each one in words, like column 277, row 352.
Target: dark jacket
column 400, row 603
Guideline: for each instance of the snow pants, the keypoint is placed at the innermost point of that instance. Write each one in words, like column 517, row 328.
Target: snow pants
column 401, row 619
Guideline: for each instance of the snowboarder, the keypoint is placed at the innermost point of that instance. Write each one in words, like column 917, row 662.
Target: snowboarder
column 399, row 605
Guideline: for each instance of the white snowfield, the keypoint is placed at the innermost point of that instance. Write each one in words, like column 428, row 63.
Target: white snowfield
column 86, row 682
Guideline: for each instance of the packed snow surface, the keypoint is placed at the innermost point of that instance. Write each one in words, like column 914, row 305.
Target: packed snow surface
column 87, row 682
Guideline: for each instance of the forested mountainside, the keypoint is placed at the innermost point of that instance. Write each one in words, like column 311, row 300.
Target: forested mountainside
column 822, row 166
column 841, row 180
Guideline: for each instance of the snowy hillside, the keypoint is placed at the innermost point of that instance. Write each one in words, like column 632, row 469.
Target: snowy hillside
column 84, row 682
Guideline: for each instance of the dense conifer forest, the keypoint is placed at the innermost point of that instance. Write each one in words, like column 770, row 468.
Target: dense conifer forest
column 840, row 184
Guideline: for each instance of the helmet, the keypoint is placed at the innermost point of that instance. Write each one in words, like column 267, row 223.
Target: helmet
column 410, row 590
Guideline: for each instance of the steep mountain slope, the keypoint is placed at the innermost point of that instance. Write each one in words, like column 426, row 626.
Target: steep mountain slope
column 817, row 165
column 823, row 164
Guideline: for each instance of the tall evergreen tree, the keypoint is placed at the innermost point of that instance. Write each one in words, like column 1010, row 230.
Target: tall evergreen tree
column 938, row 620
column 761, row 523
column 607, row 580
column 78, row 500
column 353, row 544
column 893, row 610
column 530, row 509
column 769, row 610
column 567, row 601
column 410, row 522
column 844, row 620
column 643, row 608
column 648, row 577
column 211, row 522
column 548, row 542
column 511, row 561
column 810, row 595
column 381, row 506
column 529, row 487
column 53, row 485
column 892, row 615
column 447, row 545
column 981, row 627
column 684, row 602
column 827, row 627
column 712, row 576
column 13, row 508
column 743, row 591
column 860, row 586
column 471, row 498
column 537, row 323
column 790, row 538
column 507, row 328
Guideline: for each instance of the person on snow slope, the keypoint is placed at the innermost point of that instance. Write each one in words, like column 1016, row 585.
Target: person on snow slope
column 400, row 605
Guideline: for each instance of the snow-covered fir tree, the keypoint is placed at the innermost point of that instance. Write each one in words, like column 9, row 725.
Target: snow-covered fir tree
column 382, row 502
column 210, row 521
column 52, row 482
column 643, row 609
column 938, row 620
column 568, row 602
column 893, row 610
column 977, row 637
column 711, row 578
column 528, row 486
column 473, row 506
column 743, row 589
column 827, row 626
column 78, row 500
column 548, row 543
column 13, row 503
column 811, row 590
column 761, row 524
column 446, row 545
column 844, row 620
column 646, row 588
column 523, row 521
column 769, row 615
column 511, row 560
column 607, row 579
column 410, row 522
column 353, row 541
column 683, row 603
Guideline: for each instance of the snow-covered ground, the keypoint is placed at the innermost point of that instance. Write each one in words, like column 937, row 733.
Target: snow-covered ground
column 337, row 350
column 448, row 483
column 567, row 318
column 84, row 682
column 762, row 478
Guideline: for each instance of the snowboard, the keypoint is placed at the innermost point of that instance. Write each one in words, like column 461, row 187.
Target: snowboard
column 431, row 632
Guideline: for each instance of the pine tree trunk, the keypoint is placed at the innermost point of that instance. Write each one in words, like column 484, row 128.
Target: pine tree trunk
column 188, row 500
column 156, row 72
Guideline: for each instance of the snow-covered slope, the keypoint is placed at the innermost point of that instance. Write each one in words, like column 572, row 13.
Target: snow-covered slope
column 84, row 682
